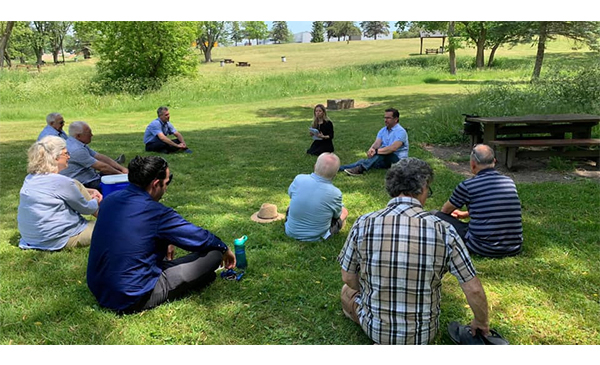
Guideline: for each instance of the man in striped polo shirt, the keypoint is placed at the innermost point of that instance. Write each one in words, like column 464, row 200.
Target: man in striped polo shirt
column 493, row 206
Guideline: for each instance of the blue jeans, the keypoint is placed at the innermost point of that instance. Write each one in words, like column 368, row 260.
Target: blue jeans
column 375, row 162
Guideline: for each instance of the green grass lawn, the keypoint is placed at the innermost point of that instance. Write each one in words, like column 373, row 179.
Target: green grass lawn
column 247, row 128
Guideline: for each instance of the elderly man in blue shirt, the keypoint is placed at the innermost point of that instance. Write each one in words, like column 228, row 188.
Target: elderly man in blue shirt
column 86, row 165
column 55, row 123
column 391, row 145
column 316, row 210
column 156, row 135
column 131, row 265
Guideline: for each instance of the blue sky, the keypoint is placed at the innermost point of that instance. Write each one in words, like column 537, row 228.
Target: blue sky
column 300, row 26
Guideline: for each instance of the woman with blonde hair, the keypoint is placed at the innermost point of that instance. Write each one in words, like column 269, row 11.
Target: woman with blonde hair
column 321, row 131
column 51, row 204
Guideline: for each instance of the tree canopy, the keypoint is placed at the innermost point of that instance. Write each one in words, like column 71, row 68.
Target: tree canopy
column 373, row 29
column 280, row 32
column 317, row 32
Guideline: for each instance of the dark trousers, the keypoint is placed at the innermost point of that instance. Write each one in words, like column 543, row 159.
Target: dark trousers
column 94, row 184
column 461, row 227
column 162, row 147
column 191, row 272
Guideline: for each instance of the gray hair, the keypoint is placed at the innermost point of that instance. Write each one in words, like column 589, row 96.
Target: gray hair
column 51, row 118
column 327, row 165
column 76, row 128
column 409, row 176
column 161, row 110
column 42, row 155
column 483, row 155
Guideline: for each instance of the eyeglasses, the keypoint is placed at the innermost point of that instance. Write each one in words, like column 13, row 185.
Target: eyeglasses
column 66, row 153
column 170, row 178
column 162, row 170
column 429, row 193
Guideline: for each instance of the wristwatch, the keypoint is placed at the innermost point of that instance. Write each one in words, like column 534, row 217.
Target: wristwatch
column 376, row 150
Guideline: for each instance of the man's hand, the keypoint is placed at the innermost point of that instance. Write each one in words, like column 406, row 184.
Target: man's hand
column 183, row 146
column 459, row 214
column 371, row 152
column 483, row 327
column 229, row 259
column 170, row 252
column 95, row 194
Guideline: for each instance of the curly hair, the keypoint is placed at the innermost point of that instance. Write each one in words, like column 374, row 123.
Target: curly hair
column 409, row 176
column 42, row 156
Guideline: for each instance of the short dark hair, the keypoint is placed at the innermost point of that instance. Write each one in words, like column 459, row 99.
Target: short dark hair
column 395, row 112
column 408, row 177
column 143, row 170
column 161, row 110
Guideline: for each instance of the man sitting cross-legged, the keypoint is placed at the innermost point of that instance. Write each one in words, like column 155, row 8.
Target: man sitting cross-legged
column 495, row 228
column 316, row 210
column 156, row 135
column 131, row 265
column 394, row 260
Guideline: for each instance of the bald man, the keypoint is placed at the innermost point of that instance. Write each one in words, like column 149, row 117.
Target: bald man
column 493, row 206
column 316, row 210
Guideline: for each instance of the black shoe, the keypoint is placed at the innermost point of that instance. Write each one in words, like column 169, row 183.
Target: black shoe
column 355, row 171
column 120, row 159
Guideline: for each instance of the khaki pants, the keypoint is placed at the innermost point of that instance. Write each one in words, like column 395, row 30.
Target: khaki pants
column 349, row 305
column 85, row 237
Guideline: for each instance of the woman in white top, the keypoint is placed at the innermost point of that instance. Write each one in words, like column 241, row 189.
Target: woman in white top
column 51, row 204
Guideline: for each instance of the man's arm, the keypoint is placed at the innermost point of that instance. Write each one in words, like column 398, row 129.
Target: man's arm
column 449, row 208
column 168, row 140
column 478, row 302
column 390, row 149
column 108, row 166
column 374, row 146
column 351, row 280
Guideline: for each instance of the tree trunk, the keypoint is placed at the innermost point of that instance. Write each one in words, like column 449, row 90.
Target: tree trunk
column 539, row 58
column 480, row 59
column 492, row 54
column 451, row 49
column 55, row 55
column 4, row 41
column 39, row 52
column 7, row 58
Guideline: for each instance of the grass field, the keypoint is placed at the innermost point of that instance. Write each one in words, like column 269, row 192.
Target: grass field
column 247, row 127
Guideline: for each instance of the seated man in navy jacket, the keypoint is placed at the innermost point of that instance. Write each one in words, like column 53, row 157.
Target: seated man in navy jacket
column 131, row 266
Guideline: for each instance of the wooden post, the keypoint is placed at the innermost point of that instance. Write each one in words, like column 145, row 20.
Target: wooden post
column 421, row 45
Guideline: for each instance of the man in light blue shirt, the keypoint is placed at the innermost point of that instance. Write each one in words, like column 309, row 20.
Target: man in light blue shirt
column 54, row 127
column 86, row 165
column 156, row 135
column 316, row 210
column 391, row 145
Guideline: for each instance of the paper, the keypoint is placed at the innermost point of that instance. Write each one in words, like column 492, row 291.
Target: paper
column 314, row 132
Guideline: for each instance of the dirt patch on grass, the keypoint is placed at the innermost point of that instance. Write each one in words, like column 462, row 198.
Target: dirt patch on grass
column 456, row 159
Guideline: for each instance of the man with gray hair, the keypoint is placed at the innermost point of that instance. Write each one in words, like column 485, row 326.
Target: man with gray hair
column 156, row 135
column 85, row 163
column 495, row 228
column 54, row 127
column 316, row 210
column 394, row 260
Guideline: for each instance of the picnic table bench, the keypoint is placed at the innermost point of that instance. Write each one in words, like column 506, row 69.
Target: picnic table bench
column 228, row 60
column 243, row 64
column 510, row 135
column 432, row 50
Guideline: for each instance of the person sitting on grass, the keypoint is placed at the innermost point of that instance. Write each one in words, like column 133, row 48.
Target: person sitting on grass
column 51, row 205
column 55, row 123
column 316, row 210
column 394, row 260
column 495, row 228
column 85, row 162
column 391, row 145
column 156, row 135
column 131, row 265
column 324, row 126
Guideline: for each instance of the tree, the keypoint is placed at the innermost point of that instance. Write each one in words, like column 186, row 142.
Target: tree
column 236, row 32
column 19, row 46
column 345, row 29
column 500, row 33
column 317, row 32
column 330, row 31
column 280, row 32
column 210, row 33
column 85, row 34
column 451, row 48
column 144, row 54
column 5, row 31
column 57, row 32
column 583, row 32
column 38, row 38
column 373, row 29
column 256, row 30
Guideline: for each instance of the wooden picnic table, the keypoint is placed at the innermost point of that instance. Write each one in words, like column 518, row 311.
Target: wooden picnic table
column 511, row 133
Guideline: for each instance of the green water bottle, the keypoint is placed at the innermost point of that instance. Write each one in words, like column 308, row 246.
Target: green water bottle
column 240, row 252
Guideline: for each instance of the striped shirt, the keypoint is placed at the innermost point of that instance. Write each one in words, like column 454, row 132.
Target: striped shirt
column 401, row 254
column 495, row 228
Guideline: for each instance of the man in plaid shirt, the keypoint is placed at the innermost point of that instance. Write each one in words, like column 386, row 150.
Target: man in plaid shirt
column 394, row 260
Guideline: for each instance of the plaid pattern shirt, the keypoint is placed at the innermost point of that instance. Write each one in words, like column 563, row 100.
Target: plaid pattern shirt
column 400, row 254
